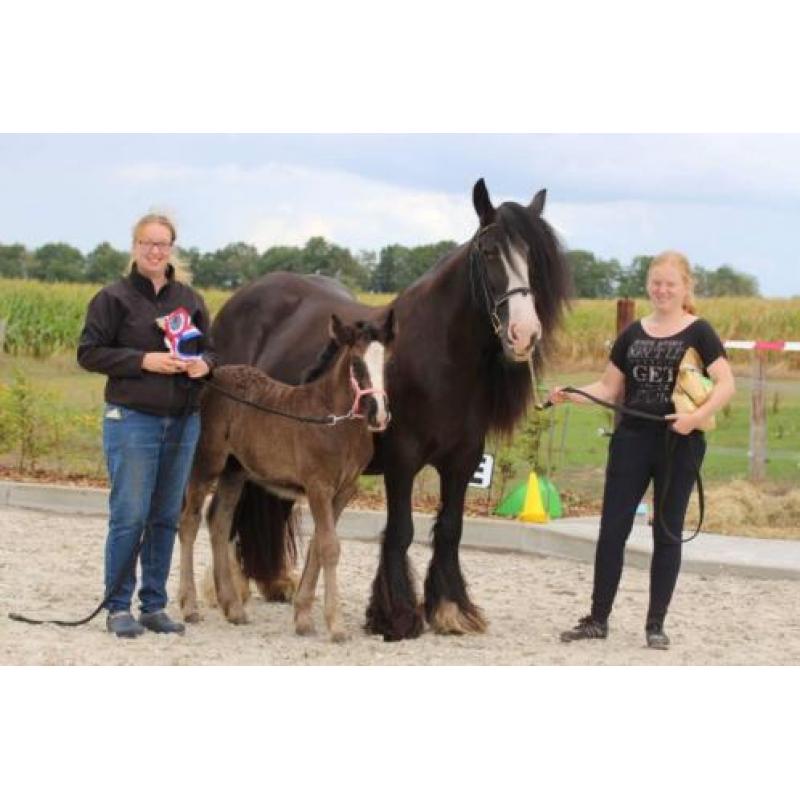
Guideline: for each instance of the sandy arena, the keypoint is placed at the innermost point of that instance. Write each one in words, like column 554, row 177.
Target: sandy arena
column 51, row 566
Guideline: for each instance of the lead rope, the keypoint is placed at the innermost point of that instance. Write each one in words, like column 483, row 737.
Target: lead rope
column 536, row 404
column 670, row 450
column 132, row 559
column 329, row 419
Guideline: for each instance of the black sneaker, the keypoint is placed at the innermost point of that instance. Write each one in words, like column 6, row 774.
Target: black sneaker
column 123, row 624
column 587, row 628
column 159, row 622
column 656, row 638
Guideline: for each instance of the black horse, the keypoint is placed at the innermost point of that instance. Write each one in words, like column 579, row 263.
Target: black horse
column 466, row 332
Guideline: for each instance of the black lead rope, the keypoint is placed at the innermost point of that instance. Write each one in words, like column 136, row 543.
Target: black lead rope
column 329, row 419
column 74, row 623
column 130, row 564
column 670, row 443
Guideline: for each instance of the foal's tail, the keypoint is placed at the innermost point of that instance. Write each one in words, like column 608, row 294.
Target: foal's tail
column 266, row 530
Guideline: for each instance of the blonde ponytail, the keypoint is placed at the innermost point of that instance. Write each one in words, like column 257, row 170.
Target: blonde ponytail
column 182, row 272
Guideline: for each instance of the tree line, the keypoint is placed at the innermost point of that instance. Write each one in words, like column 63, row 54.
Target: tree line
column 595, row 277
column 391, row 269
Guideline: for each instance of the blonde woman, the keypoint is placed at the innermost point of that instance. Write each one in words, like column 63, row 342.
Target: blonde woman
column 151, row 422
column 641, row 373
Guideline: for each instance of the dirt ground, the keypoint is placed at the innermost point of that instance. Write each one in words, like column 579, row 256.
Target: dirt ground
column 51, row 566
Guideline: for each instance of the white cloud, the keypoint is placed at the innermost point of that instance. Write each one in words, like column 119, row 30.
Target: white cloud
column 148, row 173
column 277, row 203
column 358, row 212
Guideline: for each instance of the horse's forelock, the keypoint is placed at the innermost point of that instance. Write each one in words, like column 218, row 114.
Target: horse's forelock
column 548, row 270
column 368, row 332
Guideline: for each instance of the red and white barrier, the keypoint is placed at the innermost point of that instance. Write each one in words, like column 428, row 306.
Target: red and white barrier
column 742, row 345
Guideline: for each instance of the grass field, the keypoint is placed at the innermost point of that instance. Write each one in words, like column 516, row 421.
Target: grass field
column 573, row 451
column 64, row 402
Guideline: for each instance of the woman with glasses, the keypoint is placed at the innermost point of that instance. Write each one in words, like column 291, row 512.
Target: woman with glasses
column 151, row 421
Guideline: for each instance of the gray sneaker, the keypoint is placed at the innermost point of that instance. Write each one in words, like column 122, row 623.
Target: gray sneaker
column 587, row 628
column 656, row 638
column 159, row 622
column 123, row 624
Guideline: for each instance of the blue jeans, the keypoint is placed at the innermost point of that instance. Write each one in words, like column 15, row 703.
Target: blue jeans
column 149, row 459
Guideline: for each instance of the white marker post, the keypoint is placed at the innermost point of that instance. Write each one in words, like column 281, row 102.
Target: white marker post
column 482, row 478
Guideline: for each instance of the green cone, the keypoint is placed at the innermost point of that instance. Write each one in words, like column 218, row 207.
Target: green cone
column 550, row 498
column 514, row 501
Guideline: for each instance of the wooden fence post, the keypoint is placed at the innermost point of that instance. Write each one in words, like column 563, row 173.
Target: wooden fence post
column 626, row 312
column 758, row 419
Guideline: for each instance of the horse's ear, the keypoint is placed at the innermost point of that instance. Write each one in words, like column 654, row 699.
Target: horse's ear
column 389, row 327
column 483, row 205
column 537, row 204
column 339, row 332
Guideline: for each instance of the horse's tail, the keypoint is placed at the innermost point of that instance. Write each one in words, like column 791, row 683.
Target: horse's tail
column 265, row 527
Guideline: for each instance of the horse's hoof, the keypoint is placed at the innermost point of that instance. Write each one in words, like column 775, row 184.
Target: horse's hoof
column 192, row 617
column 448, row 618
column 281, row 590
column 339, row 636
column 395, row 626
column 237, row 618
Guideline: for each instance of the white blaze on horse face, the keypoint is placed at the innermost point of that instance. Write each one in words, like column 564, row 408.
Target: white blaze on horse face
column 375, row 358
column 523, row 324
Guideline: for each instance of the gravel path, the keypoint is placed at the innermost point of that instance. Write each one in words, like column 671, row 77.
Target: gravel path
column 51, row 565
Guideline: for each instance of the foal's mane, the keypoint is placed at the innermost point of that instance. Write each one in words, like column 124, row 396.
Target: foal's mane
column 324, row 360
column 364, row 330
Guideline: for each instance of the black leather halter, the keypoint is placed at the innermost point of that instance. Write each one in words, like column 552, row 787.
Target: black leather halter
column 482, row 287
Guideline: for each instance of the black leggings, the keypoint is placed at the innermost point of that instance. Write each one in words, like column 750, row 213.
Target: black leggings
column 635, row 456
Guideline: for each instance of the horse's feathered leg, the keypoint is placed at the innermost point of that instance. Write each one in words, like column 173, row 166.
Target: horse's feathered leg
column 266, row 529
column 393, row 610
column 448, row 608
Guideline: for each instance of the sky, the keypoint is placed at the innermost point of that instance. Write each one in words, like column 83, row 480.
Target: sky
column 721, row 198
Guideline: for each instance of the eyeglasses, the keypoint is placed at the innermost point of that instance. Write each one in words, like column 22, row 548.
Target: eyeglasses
column 162, row 246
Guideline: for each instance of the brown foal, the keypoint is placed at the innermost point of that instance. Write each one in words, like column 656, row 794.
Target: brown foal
column 289, row 457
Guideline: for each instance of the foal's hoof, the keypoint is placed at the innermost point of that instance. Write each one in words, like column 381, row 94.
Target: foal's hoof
column 304, row 627
column 192, row 617
column 237, row 618
column 339, row 636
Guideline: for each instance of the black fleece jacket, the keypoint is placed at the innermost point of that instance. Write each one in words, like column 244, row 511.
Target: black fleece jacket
column 121, row 327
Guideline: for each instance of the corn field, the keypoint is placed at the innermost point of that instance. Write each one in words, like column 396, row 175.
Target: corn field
column 590, row 327
column 45, row 318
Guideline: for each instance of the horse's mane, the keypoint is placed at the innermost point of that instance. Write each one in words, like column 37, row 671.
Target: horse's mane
column 550, row 279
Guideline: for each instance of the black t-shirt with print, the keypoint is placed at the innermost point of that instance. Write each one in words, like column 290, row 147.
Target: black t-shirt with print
column 650, row 363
